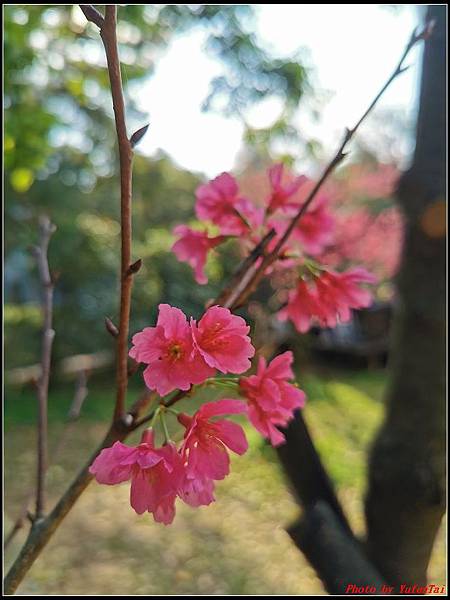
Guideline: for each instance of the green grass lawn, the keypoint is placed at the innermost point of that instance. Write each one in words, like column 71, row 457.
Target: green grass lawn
column 238, row 545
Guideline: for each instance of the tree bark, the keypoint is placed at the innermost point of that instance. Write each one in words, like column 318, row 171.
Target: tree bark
column 308, row 477
column 338, row 557
column 406, row 493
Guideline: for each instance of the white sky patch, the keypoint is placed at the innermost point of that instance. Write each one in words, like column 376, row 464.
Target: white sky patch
column 353, row 49
column 173, row 97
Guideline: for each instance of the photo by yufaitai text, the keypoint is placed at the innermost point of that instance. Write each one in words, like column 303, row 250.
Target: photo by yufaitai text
column 402, row 589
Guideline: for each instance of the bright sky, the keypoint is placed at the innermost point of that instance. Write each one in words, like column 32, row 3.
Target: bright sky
column 353, row 49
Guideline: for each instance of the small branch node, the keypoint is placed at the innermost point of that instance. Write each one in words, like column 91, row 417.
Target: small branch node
column 127, row 420
column 403, row 69
column 111, row 328
column 138, row 135
column 134, row 268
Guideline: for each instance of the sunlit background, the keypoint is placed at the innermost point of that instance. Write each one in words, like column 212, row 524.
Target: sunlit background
column 325, row 36
column 224, row 88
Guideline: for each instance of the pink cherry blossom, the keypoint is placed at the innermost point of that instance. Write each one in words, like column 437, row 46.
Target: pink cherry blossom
column 205, row 447
column 340, row 292
column 155, row 473
column 328, row 299
column 221, row 339
column 168, row 350
column 315, row 230
column 281, row 194
column 219, row 202
column 358, row 235
column 301, row 308
column 193, row 247
column 271, row 399
column 196, row 490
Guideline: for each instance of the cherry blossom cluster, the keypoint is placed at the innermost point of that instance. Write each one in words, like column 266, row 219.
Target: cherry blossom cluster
column 327, row 299
column 316, row 294
column 179, row 356
column 182, row 354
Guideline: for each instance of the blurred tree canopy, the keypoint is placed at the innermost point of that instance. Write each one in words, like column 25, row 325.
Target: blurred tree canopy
column 60, row 158
column 56, row 85
column 84, row 255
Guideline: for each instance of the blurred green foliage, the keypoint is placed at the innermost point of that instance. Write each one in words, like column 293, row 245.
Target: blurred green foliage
column 84, row 255
column 55, row 78
column 337, row 405
column 60, row 159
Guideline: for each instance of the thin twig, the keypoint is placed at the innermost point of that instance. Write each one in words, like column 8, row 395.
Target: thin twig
column 109, row 37
column 46, row 230
column 227, row 296
column 253, row 282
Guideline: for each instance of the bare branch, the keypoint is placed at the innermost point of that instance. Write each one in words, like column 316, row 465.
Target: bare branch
column 230, row 293
column 336, row 555
column 109, row 37
column 46, row 229
column 92, row 15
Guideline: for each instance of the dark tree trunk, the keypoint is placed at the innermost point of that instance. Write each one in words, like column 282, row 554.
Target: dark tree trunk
column 406, row 495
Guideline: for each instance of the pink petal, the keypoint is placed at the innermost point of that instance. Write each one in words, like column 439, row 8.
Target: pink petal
column 173, row 321
column 147, row 345
column 108, row 467
column 200, row 371
column 265, row 426
column 211, row 461
column 280, row 366
column 232, row 435
column 292, row 397
column 361, row 275
column 275, row 174
column 161, row 376
column 226, row 406
column 275, row 436
column 226, row 184
column 141, row 494
column 197, row 491
column 165, row 511
column 293, row 187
